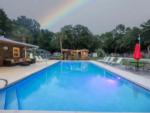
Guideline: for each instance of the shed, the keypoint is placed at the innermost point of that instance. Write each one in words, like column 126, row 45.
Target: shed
column 10, row 49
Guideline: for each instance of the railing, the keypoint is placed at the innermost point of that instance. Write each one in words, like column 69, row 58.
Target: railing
column 6, row 82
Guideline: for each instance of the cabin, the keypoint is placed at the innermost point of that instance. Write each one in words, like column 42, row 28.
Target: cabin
column 69, row 54
column 13, row 51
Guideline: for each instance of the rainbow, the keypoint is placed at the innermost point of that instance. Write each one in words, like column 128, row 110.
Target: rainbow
column 60, row 12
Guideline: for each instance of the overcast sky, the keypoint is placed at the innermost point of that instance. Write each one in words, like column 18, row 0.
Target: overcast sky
column 99, row 15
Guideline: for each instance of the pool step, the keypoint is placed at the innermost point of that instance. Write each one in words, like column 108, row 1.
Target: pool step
column 11, row 100
column 2, row 99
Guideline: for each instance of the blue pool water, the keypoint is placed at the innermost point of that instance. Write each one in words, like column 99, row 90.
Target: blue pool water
column 75, row 86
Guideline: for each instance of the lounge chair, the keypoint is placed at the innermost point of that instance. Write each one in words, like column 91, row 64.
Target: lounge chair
column 117, row 62
column 106, row 60
column 38, row 59
column 110, row 60
column 33, row 60
column 101, row 60
column 41, row 58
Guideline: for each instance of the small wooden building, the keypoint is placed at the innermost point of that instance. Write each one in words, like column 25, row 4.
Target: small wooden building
column 10, row 49
column 69, row 54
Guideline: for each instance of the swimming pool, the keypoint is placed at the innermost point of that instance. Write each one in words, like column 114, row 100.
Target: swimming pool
column 75, row 86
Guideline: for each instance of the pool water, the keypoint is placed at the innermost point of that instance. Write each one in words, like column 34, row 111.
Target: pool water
column 75, row 86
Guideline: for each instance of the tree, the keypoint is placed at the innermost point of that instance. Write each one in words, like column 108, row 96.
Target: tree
column 55, row 42
column 44, row 39
column 120, row 29
column 118, row 36
column 5, row 23
column 146, row 35
column 67, row 33
column 78, row 37
column 20, row 33
column 31, row 25
column 108, row 42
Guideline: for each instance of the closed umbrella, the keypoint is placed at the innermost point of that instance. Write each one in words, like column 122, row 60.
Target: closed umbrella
column 137, row 53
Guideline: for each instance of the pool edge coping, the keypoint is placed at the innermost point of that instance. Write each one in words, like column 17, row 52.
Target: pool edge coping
column 32, row 111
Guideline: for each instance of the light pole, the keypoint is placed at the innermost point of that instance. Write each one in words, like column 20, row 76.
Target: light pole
column 139, row 39
column 61, row 46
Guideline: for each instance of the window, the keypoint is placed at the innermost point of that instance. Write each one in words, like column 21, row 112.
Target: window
column 16, row 52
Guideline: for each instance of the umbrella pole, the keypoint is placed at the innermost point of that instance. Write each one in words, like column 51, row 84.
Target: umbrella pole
column 137, row 64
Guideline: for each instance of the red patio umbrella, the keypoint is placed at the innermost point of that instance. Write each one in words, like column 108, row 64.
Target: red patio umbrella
column 137, row 53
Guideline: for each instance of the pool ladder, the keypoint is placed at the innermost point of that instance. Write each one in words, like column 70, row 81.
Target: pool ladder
column 6, row 82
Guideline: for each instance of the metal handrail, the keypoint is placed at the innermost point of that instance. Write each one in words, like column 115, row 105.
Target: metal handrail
column 6, row 81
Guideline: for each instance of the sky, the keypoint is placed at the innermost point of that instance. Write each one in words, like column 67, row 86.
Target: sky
column 98, row 15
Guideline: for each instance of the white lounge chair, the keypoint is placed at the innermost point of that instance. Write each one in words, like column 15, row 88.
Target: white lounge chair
column 110, row 60
column 31, row 56
column 38, row 59
column 42, row 59
column 118, row 62
column 101, row 60
column 105, row 60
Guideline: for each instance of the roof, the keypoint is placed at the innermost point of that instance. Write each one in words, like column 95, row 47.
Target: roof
column 3, row 39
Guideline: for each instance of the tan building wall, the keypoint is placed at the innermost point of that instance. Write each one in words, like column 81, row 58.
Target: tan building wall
column 75, row 54
column 8, row 54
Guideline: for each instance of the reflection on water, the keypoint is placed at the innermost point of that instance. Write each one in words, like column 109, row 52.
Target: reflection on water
column 75, row 86
column 73, row 66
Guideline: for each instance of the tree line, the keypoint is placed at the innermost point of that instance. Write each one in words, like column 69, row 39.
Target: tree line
column 120, row 40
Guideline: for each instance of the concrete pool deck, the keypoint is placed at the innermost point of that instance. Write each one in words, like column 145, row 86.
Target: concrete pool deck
column 15, row 73
column 142, row 80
